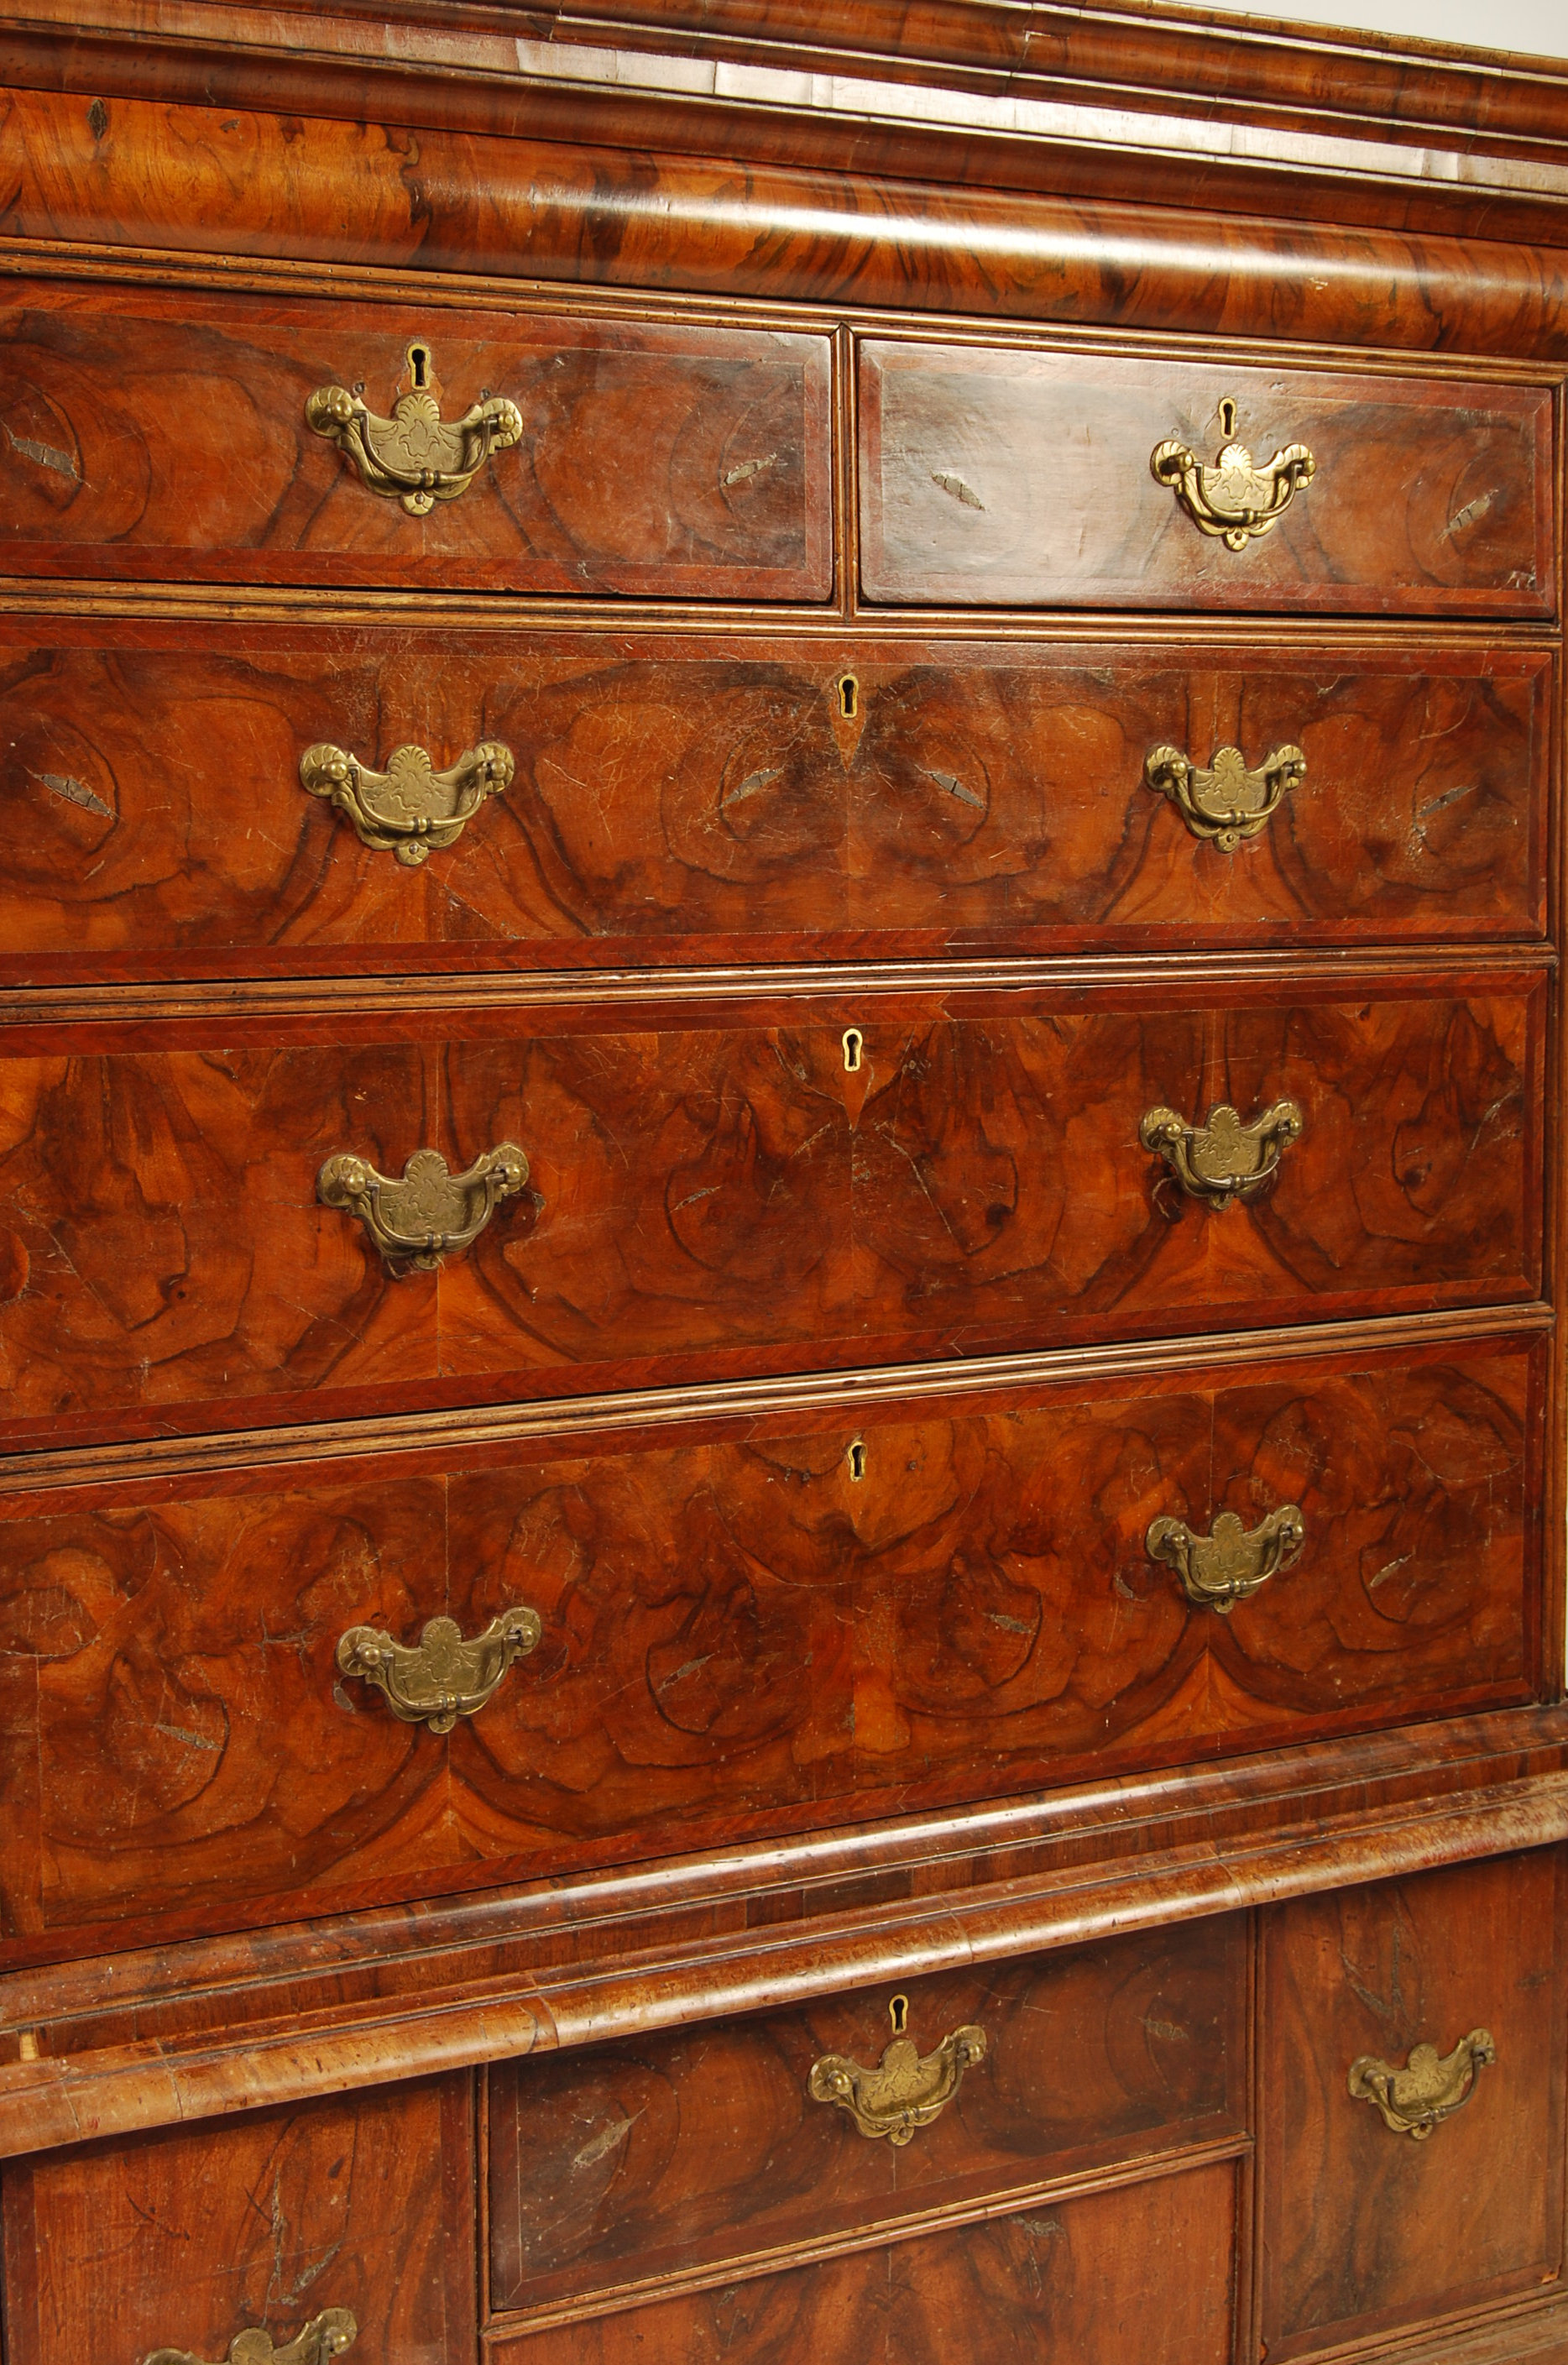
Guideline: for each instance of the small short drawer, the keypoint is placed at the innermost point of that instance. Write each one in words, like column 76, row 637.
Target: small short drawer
column 1143, row 2273
column 184, row 437
column 1369, row 2224
column 1016, row 795
column 1004, row 476
column 360, row 2205
column 686, row 2155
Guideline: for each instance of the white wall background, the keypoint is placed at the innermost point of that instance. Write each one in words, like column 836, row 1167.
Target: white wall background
column 1533, row 28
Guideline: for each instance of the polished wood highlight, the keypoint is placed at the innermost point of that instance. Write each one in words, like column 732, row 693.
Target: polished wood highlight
column 728, row 1191
column 1151, row 2265
column 199, row 2234
column 977, row 794
column 1366, row 2230
column 741, row 1636
column 997, row 477
column 696, row 2152
column 149, row 436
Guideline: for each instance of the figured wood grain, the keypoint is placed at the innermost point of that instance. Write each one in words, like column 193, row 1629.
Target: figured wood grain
column 1152, row 2264
column 740, row 1637
column 695, row 2151
column 726, row 1191
column 246, row 177
column 226, row 2022
column 157, row 436
column 995, row 478
column 185, row 2239
column 1366, row 2229
column 677, row 797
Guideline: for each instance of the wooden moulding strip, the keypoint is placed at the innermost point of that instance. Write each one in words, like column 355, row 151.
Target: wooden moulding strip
column 49, row 2102
column 583, row 214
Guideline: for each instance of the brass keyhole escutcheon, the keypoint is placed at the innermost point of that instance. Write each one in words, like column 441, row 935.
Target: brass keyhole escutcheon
column 855, row 1457
column 419, row 367
column 854, row 1044
column 897, row 2013
column 1227, row 418
column 848, row 696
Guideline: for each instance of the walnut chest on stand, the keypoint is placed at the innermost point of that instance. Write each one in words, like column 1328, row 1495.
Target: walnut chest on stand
column 781, row 1506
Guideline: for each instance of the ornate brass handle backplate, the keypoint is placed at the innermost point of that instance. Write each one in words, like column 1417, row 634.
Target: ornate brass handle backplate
column 1223, row 1160
column 1227, row 803
column 429, row 1213
column 1416, row 2101
column 327, row 2335
column 1235, row 499
column 409, row 807
column 416, row 456
column 1230, row 1563
column 440, row 1677
column 906, row 2089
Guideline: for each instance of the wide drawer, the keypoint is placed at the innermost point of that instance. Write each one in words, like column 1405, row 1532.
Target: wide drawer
column 1145, row 2273
column 1006, row 477
column 807, row 1622
column 183, row 2240
column 1384, row 2205
column 167, row 435
column 678, row 799
column 685, row 2155
column 790, row 1183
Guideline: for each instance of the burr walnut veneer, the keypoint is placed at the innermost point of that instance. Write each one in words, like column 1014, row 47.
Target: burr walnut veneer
column 781, row 1499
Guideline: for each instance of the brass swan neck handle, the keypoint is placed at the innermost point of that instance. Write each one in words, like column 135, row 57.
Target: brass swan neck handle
column 326, row 2335
column 416, row 456
column 428, row 1213
column 906, row 2091
column 1416, row 2101
column 440, row 1677
column 1227, row 803
column 1235, row 499
column 1230, row 1563
column 1222, row 1158
column 410, row 806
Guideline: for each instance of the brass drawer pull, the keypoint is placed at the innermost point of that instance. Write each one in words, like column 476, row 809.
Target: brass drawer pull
column 1230, row 1563
column 906, row 2091
column 410, row 806
column 1227, row 803
column 430, row 1212
column 414, row 457
column 1223, row 1160
column 327, row 2335
column 440, row 1677
column 1234, row 499
column 1416, row 2101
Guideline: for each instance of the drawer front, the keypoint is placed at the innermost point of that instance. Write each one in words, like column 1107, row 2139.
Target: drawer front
column 731, row 1190
column 1005, row 478
column 1367, row 2226
column 742, row 1637
column 166, row 435
column 629, row 2161
column 1145, row 2272
column 155, row 807
column 181, row 2241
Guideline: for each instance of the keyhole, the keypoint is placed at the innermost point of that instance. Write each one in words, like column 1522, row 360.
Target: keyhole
column 1227, row 419
column 419, row 363
column 853, row 1040
column 857, row 1458
column 898, row 2013
column 849, row 698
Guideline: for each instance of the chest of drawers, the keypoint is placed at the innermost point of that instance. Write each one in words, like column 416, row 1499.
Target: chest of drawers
column 782, row 1494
